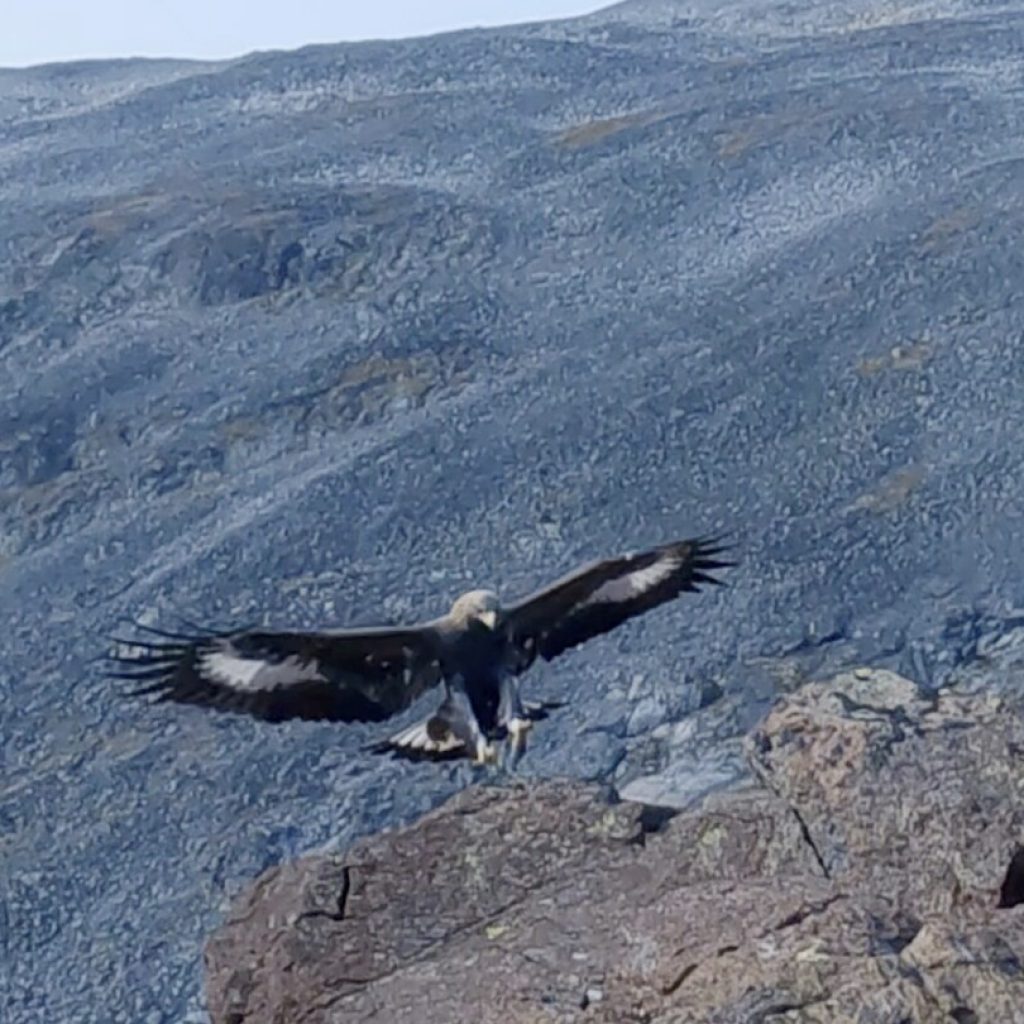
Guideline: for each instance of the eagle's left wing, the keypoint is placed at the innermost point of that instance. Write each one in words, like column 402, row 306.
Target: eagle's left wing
column 600, row 596
column 345, row 675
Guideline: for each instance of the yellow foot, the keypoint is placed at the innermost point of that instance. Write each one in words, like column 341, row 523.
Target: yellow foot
column 486, row 753
column 518, row 729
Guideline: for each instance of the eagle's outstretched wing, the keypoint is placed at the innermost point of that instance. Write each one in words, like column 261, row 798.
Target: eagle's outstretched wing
column 345, row 675
column 601, row 595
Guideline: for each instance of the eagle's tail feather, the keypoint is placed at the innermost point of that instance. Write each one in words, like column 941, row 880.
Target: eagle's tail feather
column 419, row 742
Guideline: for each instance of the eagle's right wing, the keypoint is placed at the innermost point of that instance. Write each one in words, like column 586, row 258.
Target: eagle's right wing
column 345, row 675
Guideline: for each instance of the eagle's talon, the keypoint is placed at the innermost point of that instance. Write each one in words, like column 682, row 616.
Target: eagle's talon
column 515, row 743
column 518, row 730
column 486, row 753
column 520, row 726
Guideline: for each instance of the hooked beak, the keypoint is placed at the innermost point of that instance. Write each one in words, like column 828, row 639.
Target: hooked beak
column 489, row 619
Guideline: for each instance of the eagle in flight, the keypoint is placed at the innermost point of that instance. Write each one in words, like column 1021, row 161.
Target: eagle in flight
column 476, row 653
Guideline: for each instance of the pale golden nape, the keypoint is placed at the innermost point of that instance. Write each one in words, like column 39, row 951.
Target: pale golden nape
column 476, row 604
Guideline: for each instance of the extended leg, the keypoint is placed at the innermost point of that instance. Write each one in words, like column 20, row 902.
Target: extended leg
column 513, row 715
column 457, row 711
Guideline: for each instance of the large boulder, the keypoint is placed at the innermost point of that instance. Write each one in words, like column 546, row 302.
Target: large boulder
column 871, row 875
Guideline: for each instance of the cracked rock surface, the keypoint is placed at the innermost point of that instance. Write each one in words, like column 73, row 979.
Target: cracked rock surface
column 872, row 873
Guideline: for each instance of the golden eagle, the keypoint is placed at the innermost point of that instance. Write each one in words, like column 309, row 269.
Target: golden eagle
column 477, row 651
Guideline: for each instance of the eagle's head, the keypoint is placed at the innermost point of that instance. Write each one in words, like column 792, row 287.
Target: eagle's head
column 477, row 606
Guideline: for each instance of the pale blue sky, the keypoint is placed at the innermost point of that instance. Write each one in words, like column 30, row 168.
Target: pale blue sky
column 38, row 31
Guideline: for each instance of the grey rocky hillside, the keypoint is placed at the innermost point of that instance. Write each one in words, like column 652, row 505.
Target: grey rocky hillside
column 327, row 336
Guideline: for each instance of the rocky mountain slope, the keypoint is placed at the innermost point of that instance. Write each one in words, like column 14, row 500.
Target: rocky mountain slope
column 325, row 336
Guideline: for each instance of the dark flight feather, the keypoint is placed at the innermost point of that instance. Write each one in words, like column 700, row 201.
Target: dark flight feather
column 346, row 676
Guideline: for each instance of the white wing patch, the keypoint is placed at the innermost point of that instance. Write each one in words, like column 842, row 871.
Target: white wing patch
column 633, row 584
column 251, row 675
column 416, row 737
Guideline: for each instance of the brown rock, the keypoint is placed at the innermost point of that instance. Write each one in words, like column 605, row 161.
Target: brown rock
column 900, row 790
column 858, row 882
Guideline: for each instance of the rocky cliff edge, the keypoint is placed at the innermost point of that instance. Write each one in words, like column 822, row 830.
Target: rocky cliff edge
column 873, row 872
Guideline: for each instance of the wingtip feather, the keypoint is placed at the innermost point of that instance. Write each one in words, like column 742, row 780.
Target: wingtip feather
column 712, row 544
column 705, row 552
column 142, row 672
column 158, row 686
